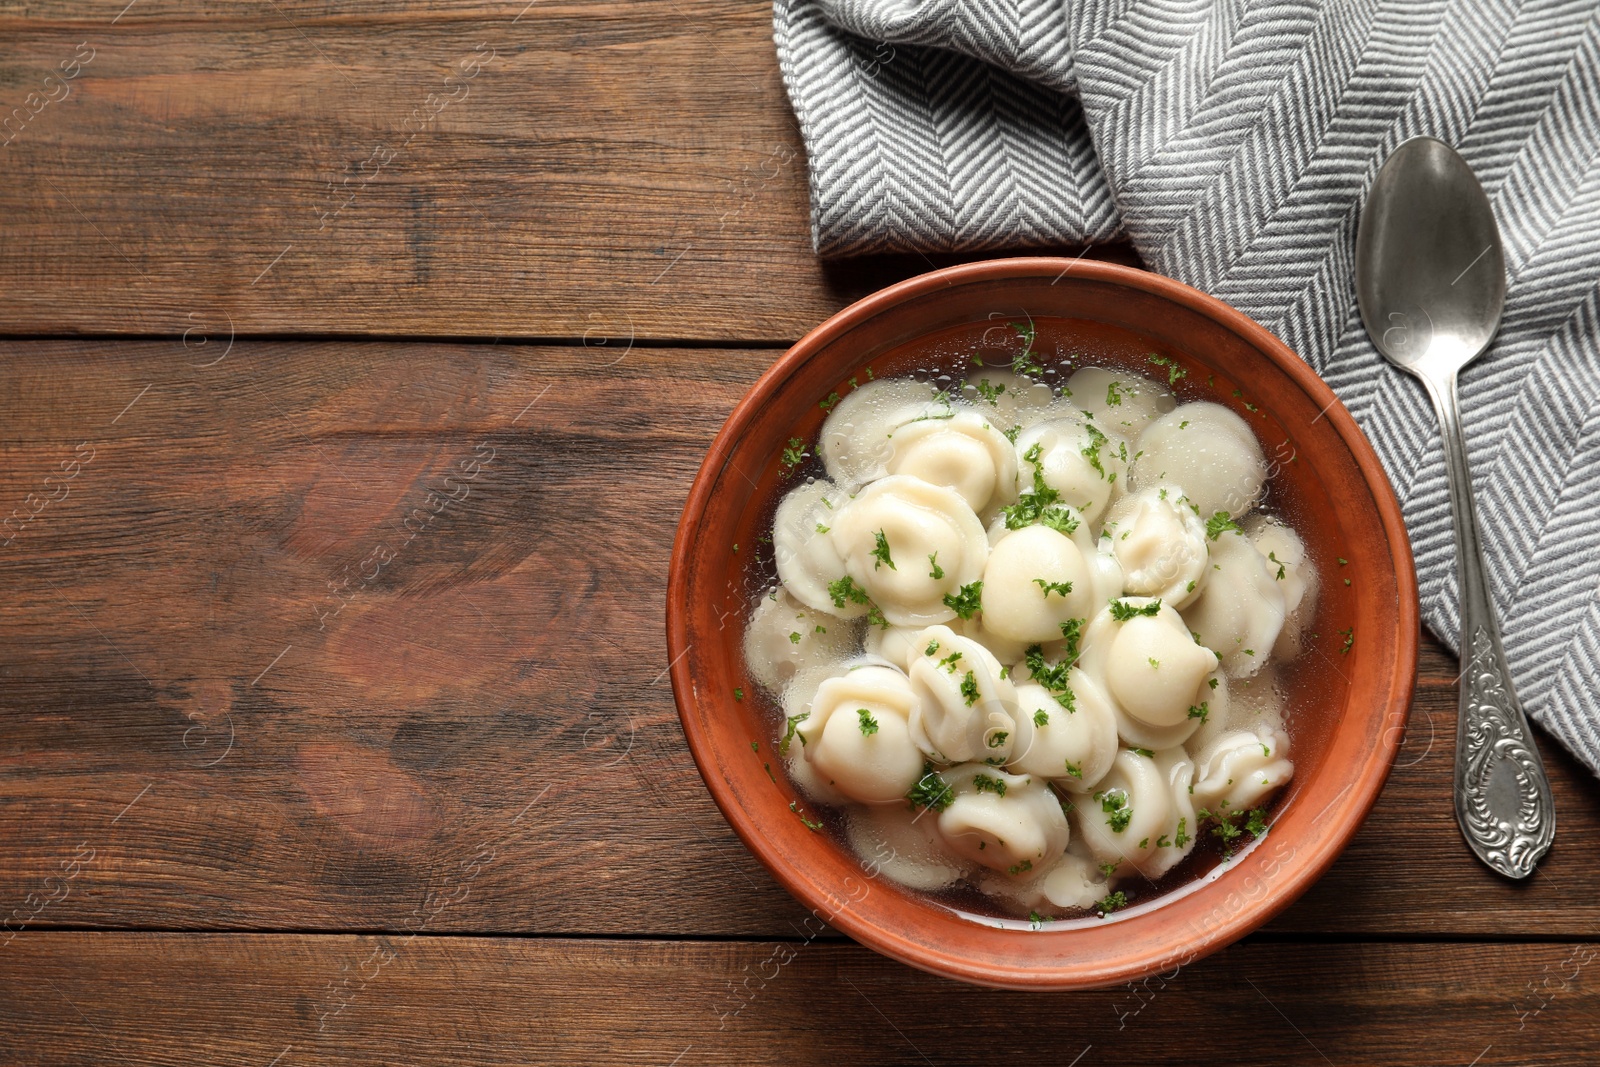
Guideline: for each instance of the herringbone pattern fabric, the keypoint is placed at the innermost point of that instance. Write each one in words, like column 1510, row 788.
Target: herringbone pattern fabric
column 1233, row 143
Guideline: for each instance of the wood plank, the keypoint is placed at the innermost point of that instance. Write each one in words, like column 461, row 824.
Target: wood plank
column 245, row 999
column 481, row 738
column 608, row 170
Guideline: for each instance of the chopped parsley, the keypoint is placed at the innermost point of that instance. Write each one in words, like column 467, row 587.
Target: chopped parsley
column 1145, row 752
column 969, row 693
column 949, row 662
column 1108, row 868
column 1342, row 561
column 795, row 454
column 1114, row 393
column 821, row 529
column 1091, row 451
column 931, row 791
column 1042, row 504
column 791, row 723
column 1062, row 588
column 827, row 405
column 1041, row 717
column 869, row 725
column 794, row 806
column 1114, row 803
column 985, row 784
column 738, row 694
column 998, row 738
column 1256, row 824
column 1155, row 664
column 1163, row 842
column 1020, row 868
column 794, row 637
column 1182, row 837
column 1011, row 434
column 1122, row 611
column 937, row 572
column 1349, row 640
column 966, row 602
column 875, row 616
column 1053, row 676
column 1074, row 769
column 933, row 646
column 1111, row 902
column 846, row 589
column 1072, row 630
column 991, row 393
column 1023, row 363
column 1273, row 556
column 880, row 552
column 1174, row 372
column 1220, row 523
column 1190, row 587
column 1201, row 712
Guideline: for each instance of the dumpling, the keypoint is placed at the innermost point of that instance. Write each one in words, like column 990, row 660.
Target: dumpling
column 909, row 544
column 1149, row 664
column 1076, row 459
column 903, row 846
column 784, row 636
column 894, row 644
column 1286, row 558
column 804, row 549
column 1209, row 451
column 1009, row 399
column 964, row 452
column 1160, row 543
column 1141, row 818
column 854, row 442
column 1122, row 403
column 1240, row 768
column 1035, row 580
column 1076, row 745
column 1239, row 614
column 964, row 704
column 858, row 735
column 1006, row 822
column 1070, row 883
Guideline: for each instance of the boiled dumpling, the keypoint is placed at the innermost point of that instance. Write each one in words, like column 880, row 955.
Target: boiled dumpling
column 1141, row 818
column 909, row 544
column 1006, row 822
column 964, row 452
column 901, row 845
column 1240, row 612
column 1209, row 451
column 1286, row 558
column 1160, row 543
column 1035, row 580
column 1009, row 399
column 784, row 636
column 1074, row 745
column 1005, row 650
column 1122, row 403
column 965, row 705
column 854, row 442
column 1075, row 458
column 857, row 735
column 1235, row 771
column 802, row 545
column 1149, row 664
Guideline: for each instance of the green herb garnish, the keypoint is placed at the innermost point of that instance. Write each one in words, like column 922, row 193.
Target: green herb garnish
column 869, row 725
column 1122, row 611
column 966, row 602
column 1220, row 523
column 880, row 552
column 938, row 571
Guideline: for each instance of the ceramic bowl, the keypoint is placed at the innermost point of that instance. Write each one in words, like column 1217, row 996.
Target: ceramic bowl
column 1348, row 712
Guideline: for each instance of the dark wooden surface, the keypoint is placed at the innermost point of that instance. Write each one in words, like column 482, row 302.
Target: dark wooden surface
column 273, row 688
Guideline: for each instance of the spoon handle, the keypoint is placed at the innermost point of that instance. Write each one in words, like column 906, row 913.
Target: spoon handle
column 1503, row 801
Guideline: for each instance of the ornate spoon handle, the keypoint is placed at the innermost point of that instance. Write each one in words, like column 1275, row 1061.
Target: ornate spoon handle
column 1503, row 801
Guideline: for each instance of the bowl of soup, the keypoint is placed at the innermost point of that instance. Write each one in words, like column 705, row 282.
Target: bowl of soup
column 1042, row 623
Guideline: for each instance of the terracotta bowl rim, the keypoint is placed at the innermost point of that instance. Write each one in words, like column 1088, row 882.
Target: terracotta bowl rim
column 1364, row 785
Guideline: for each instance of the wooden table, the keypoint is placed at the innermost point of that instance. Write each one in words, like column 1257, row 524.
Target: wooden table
column 357, row 360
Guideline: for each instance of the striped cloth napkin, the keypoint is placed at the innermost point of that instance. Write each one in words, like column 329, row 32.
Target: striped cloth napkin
column 1233, row 143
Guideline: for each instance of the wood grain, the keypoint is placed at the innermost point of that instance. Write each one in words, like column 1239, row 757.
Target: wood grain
column 481, row 737
column 606, row 170
column 132, row 998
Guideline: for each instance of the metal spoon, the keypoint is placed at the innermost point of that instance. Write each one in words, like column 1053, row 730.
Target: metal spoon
column 1431, row 282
